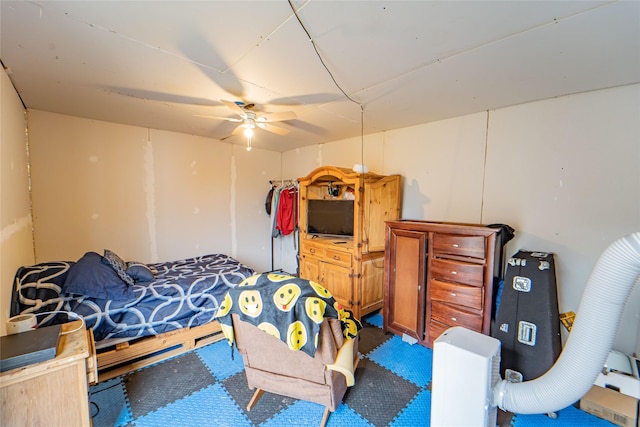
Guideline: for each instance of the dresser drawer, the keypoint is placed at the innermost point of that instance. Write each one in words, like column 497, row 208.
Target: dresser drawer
column 436, row 329
column 459, row 272
column 453, row 244
column 468, row 296
column 311, row 250
column 337, row 257
column 450, row 315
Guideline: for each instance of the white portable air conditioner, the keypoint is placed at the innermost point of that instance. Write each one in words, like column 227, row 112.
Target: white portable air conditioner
column 467, row 389
column 466, row 366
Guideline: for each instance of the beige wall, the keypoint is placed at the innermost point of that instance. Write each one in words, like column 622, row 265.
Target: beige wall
column 146, row 194
column 563, row 172
column 16, row 238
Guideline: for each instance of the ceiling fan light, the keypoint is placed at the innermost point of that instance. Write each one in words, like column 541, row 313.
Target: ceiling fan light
column 248, row 132
column 249, row 147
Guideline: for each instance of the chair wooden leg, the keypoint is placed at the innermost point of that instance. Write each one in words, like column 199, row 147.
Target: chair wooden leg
column 325, row 417
column 254, row 399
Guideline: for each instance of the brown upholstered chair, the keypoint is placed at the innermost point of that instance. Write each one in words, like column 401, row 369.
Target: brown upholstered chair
column 271, row 366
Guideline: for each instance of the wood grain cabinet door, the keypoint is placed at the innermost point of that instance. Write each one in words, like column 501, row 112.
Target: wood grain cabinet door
column 404, row 283
column 309, row 268
column 339, row 281
column 371, row 283
column 438, row 275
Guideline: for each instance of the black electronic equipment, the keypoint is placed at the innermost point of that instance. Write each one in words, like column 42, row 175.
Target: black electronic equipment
column 26, row 348
column 330, row 217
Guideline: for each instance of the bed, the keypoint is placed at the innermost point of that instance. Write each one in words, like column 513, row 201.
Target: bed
column 138, row 313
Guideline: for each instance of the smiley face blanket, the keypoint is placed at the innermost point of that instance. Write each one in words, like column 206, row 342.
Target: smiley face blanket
column 287, row 307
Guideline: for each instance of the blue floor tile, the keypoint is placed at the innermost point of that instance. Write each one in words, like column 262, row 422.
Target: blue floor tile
column 108, row 404
column 374, row 319
column 414, row 364
column 211, row 406
column 212, row 354
column 303, row 414
column 417, row 413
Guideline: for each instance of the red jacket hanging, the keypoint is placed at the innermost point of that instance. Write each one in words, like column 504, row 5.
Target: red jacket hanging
column 287, row 212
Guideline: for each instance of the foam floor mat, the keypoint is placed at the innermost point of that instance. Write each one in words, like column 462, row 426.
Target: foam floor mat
column 206, row 387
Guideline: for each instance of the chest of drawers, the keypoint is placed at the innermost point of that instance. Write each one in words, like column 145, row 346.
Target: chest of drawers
column 439, row 275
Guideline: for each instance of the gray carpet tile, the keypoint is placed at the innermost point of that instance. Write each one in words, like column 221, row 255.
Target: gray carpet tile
column 380, row 394
column 268, row 405
column 158, row 385
column 371, row 337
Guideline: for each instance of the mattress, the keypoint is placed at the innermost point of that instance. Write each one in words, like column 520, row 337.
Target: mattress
column 184, row 293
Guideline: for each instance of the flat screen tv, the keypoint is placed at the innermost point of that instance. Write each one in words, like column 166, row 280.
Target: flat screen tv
column 330, row 217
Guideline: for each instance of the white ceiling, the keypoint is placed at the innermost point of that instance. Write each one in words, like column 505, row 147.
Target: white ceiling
column 157, row 64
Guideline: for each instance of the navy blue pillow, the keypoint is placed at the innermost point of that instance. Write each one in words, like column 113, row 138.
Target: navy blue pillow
column 118, row 264
column 91, row 277
column 139, row 272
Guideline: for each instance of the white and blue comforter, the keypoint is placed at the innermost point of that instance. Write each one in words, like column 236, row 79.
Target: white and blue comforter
column 184, row 293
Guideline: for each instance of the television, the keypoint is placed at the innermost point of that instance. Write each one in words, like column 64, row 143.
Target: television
column 330, row 217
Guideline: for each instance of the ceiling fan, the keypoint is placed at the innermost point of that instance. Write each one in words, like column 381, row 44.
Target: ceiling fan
column 249, row 120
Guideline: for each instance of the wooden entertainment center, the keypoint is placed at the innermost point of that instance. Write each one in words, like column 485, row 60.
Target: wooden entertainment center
column 351, row 267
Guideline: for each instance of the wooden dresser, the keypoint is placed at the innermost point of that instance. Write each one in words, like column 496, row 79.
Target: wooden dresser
column 54, row 392
column 439, row 275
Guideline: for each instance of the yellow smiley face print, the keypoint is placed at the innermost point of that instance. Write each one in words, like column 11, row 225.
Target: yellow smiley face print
column 315, row 309
column 270, row 329
column 250, row 303
column 286, row 297
column 275, row 277
column 250, row 281
column 321, row 291
column 350, row 329
column 225, row 306
column 341, row 313
column 296, row 335
column 227, row 331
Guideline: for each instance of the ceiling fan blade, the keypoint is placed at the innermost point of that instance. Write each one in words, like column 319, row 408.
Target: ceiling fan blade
column 277, row 117
column 235, row 108
column 238, row 130
column 272, row 128
column 229, row 119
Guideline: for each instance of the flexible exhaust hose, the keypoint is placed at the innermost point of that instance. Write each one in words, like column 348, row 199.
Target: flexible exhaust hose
column 590, row 340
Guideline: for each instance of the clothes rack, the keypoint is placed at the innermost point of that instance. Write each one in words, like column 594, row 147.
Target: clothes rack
column 284, row 216
column 283, row 182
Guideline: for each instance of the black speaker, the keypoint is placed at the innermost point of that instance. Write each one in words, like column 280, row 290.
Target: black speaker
column 333, row 191
column 527, row 321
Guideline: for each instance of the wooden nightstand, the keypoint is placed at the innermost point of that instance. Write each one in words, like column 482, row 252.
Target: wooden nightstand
column 54, row 392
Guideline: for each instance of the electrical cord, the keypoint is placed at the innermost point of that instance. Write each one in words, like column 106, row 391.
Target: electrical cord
column 313, row 43
column 315, row 48
column 97, row 409
column 70, row 315
column 118, row 384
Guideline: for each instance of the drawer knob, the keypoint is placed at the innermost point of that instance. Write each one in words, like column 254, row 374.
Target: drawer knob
column 313, row 251
column 455, row 245
column 336, row 257
column 454, row 319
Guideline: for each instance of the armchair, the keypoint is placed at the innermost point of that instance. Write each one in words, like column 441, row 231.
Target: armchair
column 271, row 366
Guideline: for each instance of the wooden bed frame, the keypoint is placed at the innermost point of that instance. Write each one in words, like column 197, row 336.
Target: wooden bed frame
column 131, row 355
